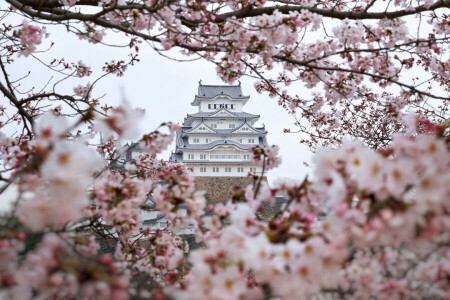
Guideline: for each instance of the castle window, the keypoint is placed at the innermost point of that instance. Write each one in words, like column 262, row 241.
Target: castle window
column 240, row 140
column 206, row 140
column 225, row 154
column 240, row 169
column 252, row 169
column 232, row 106
column 228, row 170
column 196, row 140
column 213, row 125
column 246, row 156
column 202, row 169
column 215, row 106
column 251, row 141
column 202, row 156
column 215, row 170
column 190, row 156
column 221, row 105
column 226, row 105
column 209, row 106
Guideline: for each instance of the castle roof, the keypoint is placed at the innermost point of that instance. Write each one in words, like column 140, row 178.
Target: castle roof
column 212, row 91
column 182, row 143
column 211, row 114
column 188, row 129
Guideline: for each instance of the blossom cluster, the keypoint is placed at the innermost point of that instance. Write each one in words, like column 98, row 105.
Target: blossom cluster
column 354, row 228
column 372, row 222
column 119, row 200
column 390, row 198
column 267, row 157
column 30, row 36
column 157, row 141
column 347, row 59
column 59, row 174
column 177, row 198
column 52, row 271
column 66, row 187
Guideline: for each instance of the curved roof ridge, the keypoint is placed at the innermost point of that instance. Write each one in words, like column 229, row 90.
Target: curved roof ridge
column 217, row 143
column 237, row 114
column 245, row 122
column 225, row 109
column 202, row 122
column 243, row 97
column 229, row 85
column 248, row 124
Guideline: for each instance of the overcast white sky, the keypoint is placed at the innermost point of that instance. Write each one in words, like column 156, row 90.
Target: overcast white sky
column 165, row 88
column 168, row 91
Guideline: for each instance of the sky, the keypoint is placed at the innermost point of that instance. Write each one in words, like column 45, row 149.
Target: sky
column 166, row 89
column 163, row 87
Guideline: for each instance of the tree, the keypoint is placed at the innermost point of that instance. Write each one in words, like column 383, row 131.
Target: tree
column 385, row 234
column 344, row 49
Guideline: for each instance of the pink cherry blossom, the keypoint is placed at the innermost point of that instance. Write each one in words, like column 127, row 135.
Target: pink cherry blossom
column 30, row 36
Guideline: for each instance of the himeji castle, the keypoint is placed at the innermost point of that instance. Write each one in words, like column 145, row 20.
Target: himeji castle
column 214, row 142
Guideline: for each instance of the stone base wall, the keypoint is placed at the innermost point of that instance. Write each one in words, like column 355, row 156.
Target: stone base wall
column 220, row 189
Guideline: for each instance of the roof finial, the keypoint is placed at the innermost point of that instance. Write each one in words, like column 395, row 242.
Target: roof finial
column 239, row 83
column 200, row 82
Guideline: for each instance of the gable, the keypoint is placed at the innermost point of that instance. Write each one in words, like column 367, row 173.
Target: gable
column 246, row 128
column 202, row 128
column 224, row 149
column 222, row 113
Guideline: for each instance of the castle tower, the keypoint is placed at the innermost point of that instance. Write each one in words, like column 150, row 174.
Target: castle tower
column 214, row 143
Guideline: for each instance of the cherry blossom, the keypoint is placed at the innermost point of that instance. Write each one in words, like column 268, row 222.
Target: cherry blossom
column 266, row 157
column 30, row 36
column 367, row 84
column 122, row 120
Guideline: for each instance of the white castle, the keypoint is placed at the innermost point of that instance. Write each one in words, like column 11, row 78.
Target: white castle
column 214, row 144
column 216, row 140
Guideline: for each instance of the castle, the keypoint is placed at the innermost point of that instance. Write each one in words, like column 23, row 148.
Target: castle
column 214, row 143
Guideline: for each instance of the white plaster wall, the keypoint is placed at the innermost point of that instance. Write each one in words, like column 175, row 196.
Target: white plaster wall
column 221, row 123
column 244, row 155
column 242, row 139
column 234, row 170
column 237, row 104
